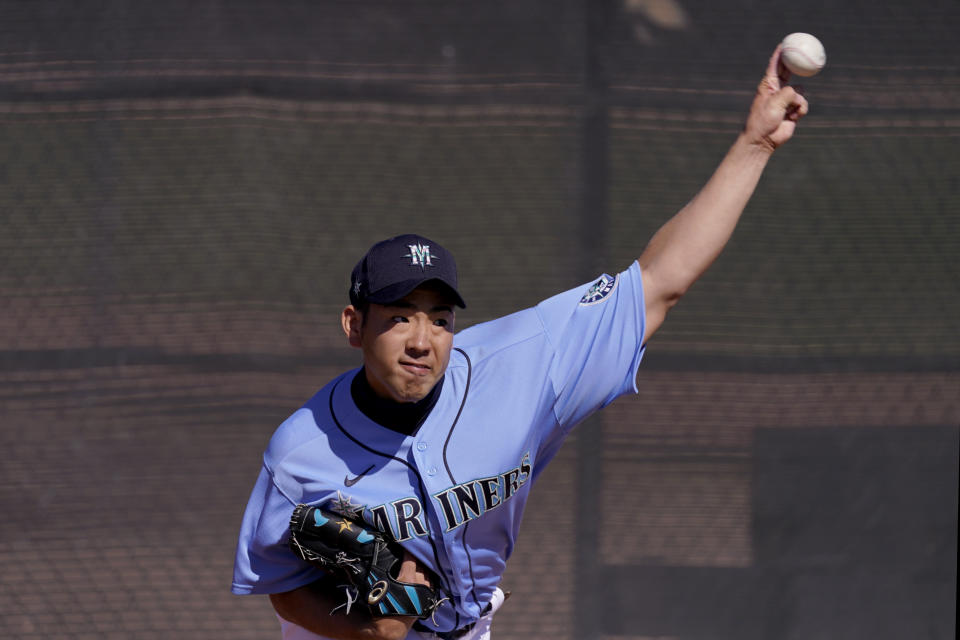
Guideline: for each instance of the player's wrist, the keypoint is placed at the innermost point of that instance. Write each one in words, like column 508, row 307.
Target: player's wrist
column 753, row 147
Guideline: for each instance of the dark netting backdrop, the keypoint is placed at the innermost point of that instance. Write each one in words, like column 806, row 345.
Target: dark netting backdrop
column 185, row 186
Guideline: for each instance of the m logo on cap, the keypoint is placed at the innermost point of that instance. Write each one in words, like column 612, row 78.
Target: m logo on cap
column 383, row 274
column 419, row 255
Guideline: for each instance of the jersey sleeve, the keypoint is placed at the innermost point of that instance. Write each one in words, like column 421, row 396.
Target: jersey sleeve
column 596, row 332
column 264, row 563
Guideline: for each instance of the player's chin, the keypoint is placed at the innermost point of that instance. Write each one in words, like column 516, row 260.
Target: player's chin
column 417, row 389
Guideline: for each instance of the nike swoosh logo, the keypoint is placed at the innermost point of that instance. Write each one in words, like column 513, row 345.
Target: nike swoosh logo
column 347, row 480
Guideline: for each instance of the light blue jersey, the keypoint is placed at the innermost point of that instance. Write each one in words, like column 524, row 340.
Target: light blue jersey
column 452, row 493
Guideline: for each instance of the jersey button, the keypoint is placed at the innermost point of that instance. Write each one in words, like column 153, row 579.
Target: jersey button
column 421, row 446
column 432, row 471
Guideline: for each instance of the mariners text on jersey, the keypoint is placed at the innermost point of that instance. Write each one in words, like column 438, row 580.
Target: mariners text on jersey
column 405, row 518
column 472, row 499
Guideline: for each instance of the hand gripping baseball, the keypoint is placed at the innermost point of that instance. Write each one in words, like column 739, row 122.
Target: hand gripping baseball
column 366, row 557
column 776, row 107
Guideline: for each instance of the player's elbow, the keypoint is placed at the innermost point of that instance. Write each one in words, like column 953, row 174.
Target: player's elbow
column 307, row 608
column 390, row 629
column 283, row 605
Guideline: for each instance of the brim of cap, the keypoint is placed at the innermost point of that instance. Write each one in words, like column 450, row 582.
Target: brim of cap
column 398, row 290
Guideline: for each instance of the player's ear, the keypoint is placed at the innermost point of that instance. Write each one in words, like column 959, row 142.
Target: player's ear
column 351, row 319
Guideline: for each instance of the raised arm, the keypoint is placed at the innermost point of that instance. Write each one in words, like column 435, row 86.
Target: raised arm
column 683, row 248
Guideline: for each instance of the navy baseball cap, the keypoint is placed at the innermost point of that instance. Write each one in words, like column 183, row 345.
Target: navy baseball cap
column 394, row 267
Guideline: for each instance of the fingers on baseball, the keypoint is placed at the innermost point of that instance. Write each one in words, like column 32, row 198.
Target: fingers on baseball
column 777, row 74
column 783, row 75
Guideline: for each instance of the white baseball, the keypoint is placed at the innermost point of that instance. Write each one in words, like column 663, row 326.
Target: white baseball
column 803, row 54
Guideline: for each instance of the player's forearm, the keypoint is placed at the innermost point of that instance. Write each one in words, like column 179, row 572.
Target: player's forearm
column 691, row 240
column 310, row 606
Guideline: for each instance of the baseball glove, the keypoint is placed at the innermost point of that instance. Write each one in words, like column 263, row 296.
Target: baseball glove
column 365, row 557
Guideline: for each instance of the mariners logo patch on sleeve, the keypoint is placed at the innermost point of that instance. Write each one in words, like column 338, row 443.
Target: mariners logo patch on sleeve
column 600, row 289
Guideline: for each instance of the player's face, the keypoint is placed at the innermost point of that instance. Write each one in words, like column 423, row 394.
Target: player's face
column 406, row 344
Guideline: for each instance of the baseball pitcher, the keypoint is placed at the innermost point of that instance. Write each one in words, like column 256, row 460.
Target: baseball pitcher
column 388, row 504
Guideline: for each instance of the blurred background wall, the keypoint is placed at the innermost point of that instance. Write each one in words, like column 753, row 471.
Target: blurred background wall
column 184, row 187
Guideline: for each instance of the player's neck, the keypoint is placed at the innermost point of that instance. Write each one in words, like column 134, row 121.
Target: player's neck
column 403, row 417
